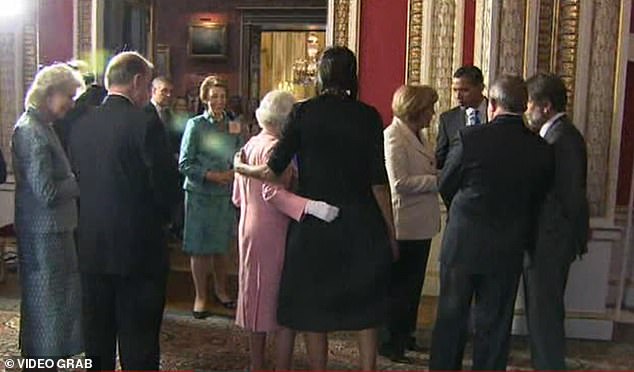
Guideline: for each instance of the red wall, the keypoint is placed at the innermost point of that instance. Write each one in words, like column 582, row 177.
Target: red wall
column 382, row 52
column 55, row 30
column 469, row 32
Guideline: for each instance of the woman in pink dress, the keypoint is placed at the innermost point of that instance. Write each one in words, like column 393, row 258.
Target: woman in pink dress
column 265, row 212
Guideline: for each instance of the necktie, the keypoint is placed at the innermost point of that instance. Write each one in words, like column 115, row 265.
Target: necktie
column 473, row 116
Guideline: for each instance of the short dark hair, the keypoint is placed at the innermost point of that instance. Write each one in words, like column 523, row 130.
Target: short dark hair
column 471, row 73
column 338, row 71
column 509, row 92
column 546, row 87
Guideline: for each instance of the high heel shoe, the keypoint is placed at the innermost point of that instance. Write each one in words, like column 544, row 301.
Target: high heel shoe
column 200, row 314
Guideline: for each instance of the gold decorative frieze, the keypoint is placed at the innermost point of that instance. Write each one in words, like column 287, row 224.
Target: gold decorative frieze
column 341, row 27
column 414, row 41
column 565, row 60
column 545, row 35
column 442, row 51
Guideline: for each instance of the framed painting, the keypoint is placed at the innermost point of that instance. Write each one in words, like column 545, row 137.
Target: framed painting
column 207, row 40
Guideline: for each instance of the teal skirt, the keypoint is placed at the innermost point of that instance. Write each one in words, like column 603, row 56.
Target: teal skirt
column 209, row 224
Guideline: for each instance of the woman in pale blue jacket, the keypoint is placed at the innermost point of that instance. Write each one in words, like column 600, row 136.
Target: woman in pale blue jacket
column 46, row 195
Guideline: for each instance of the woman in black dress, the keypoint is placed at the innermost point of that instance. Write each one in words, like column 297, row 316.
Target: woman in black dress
column 335, row 275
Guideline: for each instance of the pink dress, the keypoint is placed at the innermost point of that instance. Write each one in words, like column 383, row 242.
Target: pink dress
column 265, row 212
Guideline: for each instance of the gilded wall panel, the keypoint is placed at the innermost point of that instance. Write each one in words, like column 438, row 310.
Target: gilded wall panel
column 342, row 16
column 414, row 41
column 566, row 51
column 442, row 51
column 601, row 102
column 512, row 27
column 545, row 35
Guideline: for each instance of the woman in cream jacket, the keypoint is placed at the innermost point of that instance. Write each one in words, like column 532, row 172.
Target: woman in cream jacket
column 411, row 169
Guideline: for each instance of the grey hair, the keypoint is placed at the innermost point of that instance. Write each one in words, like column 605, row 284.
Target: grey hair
column 510, row 93
column 274, row 109
column 124, row 66
column 57, row 77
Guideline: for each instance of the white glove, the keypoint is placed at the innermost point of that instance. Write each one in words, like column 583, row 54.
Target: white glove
column 321, row 210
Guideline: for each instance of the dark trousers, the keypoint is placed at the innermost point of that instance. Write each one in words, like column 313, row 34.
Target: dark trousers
column 127, row 310
column 406, row 284
column 494, row 295
column 544, row 287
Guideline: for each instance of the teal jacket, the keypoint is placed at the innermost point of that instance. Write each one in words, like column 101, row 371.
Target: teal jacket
column 207, row 145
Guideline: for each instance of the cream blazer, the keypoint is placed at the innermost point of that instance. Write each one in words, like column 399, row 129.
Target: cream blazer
column 411, row 169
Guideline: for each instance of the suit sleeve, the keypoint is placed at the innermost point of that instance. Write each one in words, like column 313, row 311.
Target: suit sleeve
column 3, row 169
column 188, row 165
column 35, row 160
column 163, row 170
column 451, row 174
column 288, row 145
column 396, row 163
column 570, row 185
column 442, row 143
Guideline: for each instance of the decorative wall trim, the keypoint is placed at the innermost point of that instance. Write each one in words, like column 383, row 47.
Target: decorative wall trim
column 584, row 42
column 565, row 49
column 487, row 37
column 545, row 35
column 343, row 23
column 531, row 41
column 458, row 34
column 600, row 119
column 414, row 41
column 511, row 46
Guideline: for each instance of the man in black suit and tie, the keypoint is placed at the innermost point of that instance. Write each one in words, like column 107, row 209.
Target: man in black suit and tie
column 128, row 183
column 161, row 103
column 495, row 177
column 563, row 223
column 467, row 85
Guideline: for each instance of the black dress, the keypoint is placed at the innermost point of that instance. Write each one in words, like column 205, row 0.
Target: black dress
column 335, row 275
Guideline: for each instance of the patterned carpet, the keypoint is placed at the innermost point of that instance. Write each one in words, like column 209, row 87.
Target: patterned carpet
column 215, row 344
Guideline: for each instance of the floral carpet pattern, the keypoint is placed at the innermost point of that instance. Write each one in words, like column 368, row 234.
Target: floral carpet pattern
column 215, row 344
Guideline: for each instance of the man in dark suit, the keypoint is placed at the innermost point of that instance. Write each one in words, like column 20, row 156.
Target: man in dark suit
column 467, row 85
column 494, row 178
column 161, row 105
column 128, row 183
column 563, row 224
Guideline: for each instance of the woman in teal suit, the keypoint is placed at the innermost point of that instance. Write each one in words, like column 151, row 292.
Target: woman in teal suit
column 206, row 158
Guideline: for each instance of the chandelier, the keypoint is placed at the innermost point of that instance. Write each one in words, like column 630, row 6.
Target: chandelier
column 304, row 71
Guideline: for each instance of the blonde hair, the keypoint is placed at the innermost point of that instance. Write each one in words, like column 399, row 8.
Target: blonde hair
column 410, row 101
column 210, row 82
column 57, row 77
column 274, row 109
column 124, row 66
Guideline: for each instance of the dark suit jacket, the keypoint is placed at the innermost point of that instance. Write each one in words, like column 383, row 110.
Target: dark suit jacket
column 564, row 217
column 128, row 183
column 92, row 97
column 494, row 180
column 449, row 123
column 174, row 136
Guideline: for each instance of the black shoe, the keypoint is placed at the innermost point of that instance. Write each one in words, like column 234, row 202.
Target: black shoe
column 201, row 314
column 414, row 346
column 387, row 350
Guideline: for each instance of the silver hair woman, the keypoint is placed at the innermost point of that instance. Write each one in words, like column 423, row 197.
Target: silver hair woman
column 45, row 217
column 265, row 212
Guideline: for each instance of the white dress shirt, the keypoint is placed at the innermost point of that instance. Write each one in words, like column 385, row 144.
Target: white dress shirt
column 547, row 125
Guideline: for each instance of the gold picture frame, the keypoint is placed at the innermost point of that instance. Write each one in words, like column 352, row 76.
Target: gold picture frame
column 207, row 40
column 162, row 60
